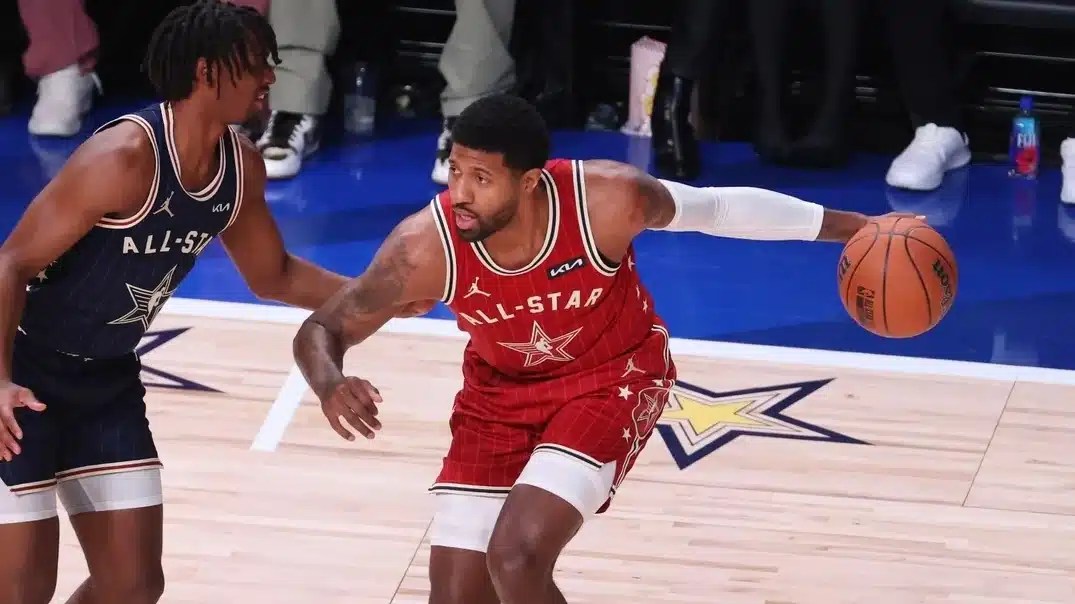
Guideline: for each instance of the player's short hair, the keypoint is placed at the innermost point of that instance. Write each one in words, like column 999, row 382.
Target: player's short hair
column 223, row 34
column 506, row 124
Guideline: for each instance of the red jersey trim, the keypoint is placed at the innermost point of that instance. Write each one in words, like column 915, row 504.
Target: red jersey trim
column 449, row 250
column 583, row 211
column 551, row 232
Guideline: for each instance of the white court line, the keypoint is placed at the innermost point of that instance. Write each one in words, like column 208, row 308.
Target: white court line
column 288, row 399
column 280, row 414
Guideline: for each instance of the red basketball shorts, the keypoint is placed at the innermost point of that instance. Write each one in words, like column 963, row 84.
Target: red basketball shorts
column 586, row 430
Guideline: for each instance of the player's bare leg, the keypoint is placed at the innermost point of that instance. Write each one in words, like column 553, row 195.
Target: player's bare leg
column 459, row 576
column 534, row 527
column 123, row 550
column 28, row 555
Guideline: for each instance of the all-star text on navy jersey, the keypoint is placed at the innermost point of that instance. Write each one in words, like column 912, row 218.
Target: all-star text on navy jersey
column 99, row 298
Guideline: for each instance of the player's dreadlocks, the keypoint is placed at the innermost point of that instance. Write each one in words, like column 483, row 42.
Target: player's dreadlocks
column 223, row 34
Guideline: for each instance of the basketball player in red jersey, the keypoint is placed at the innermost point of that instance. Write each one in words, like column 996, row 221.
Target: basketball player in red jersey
column 567, row 368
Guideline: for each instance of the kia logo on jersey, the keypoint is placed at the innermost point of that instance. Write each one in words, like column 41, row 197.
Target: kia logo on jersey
column 566, row 267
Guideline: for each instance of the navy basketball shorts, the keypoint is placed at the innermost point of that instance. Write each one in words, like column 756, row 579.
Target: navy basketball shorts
column 91, row 446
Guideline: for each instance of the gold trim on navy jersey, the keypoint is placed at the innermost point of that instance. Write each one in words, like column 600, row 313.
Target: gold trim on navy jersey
column 154, row 187
column 551, row 232
column 592, row 251
column 237, row 158
column 449, row 249
column 210, row 189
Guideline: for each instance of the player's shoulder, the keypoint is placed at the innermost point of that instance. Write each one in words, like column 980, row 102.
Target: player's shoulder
column 253, row 162
column 610, row 172
column 609, row 184
column 419, row 233
column 123, row 148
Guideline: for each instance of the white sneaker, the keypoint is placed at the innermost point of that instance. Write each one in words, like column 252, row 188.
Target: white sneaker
column 934, row 151
column 444, row 149
column 1067, row 153
column 288, row 139
column 63, row 97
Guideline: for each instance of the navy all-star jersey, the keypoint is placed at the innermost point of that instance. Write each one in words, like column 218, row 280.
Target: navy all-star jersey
column 99, row 297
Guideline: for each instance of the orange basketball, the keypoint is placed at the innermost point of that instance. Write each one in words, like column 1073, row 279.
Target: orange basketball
column 897, row 277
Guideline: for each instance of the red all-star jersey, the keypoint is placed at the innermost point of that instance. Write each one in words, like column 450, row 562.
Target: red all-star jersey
column 569, row 313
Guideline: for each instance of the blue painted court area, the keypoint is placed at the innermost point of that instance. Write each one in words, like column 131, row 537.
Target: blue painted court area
column 1014, row 242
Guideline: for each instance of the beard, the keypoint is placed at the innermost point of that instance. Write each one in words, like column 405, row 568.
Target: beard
column 486, row 227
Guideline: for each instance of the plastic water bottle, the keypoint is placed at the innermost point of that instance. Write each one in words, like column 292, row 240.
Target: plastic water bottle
column 360, row 101
column 1023, row 150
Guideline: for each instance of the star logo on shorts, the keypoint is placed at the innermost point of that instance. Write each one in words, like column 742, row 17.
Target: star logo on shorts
column 543, row 348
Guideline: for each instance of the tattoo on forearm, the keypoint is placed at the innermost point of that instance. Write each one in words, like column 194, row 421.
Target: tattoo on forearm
column 382, row 285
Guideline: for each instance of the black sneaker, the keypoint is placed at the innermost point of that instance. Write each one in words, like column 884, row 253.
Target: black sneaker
column 288, row 139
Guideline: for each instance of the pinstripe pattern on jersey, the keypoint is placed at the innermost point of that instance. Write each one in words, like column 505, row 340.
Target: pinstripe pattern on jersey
column 569, row 356
column 98, row 298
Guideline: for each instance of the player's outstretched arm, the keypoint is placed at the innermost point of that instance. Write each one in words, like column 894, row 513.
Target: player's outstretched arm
column 254, row 243
column 108, row 175
column 409, row 269
column 737, row 212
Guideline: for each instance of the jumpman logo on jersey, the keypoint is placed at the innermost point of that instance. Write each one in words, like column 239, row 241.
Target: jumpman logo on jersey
column 165, row 207
column 631, row 367
column 147, row 302
column 542, row 348
column 474, row 290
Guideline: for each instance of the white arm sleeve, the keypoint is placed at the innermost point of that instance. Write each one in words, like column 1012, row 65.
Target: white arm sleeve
column 743, row 213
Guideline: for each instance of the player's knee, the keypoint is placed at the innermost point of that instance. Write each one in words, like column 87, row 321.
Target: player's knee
column 513, row 562
column 517, row 554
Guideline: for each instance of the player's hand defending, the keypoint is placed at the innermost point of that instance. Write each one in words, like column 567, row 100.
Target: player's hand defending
column 355, row 401
column 415, row 309
column 13, row 396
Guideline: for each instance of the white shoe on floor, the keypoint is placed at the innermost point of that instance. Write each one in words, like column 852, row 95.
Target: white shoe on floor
column 934, row 151
column 1067, row 153
column 63, row 98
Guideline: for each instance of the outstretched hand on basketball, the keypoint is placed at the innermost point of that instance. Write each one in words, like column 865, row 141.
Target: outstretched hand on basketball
column 355, row 401
column 900, row 215
column 13, row 396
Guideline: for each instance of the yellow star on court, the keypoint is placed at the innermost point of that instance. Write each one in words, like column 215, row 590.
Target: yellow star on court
column 703, row 416
column 697, row 422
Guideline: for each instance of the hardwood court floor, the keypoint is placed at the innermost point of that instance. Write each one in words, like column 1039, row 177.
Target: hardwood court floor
column 865, row 485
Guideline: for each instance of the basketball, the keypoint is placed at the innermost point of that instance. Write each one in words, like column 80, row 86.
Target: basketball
column 897, row 277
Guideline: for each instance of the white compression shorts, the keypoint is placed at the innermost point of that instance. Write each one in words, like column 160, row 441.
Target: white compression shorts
column 100, row 493
column 466, row 521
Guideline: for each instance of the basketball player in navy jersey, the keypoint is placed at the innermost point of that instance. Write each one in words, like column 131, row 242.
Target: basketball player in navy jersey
column 84, row 273
column 567, row 367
